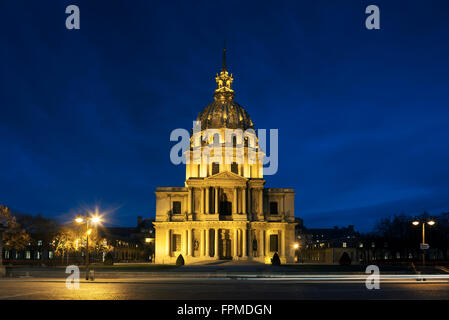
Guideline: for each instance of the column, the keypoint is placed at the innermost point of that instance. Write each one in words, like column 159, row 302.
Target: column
column 168, row 242
column 239, row 242
column 282, row 238
column 244, row 200
column 235, row 243
column 281, row 205
column 261, row 243
column 202, row 201
column 216, row 244
column 185, row 249
column 283, row 208
column 234, row 202
column 260, row 207
column 248, row 203
column 244, row 242
column 189, row 201
column 267, row 243
column 216, row 200
column 207, row 200
column 207, row 243
column 201, row 242
column 189, row 242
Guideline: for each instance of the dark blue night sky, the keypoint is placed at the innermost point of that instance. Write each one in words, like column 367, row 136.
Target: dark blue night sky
column 363, row 115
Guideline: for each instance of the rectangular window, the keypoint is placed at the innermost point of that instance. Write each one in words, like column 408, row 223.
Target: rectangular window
column 50, row 255
column 235, row 168
column 6, row 254
column 215, row 168
column 176, row 207
column 274, row 243
column 28, row 255
column 39, row 242
column 273, row 208
column 344, row 245
column 176, row 242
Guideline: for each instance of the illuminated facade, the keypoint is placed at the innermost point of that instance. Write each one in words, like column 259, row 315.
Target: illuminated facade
column 224, row 211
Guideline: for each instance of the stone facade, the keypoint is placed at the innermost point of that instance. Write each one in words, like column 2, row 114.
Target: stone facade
column 224, row 211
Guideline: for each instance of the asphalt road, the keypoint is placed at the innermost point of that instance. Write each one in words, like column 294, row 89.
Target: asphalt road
column 221, row 289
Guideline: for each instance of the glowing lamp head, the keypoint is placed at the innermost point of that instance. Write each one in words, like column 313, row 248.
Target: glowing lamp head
column 415, row 223
column 147, row 240
column 96, row 219
column 79, row 220
column 296, row 245
column 431, row 222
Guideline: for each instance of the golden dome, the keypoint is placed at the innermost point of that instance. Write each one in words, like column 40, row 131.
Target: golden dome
column 224, row 112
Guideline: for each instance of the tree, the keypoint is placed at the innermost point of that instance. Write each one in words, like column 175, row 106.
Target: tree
column 109, row 259
column 14, row 237
column 180, row 260
column 64, row 242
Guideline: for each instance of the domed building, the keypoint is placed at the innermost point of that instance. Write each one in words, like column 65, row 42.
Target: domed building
column 224, row 211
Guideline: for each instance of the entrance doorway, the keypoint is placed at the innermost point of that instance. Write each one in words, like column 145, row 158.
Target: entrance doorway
column 225, row 205
column 225, row 245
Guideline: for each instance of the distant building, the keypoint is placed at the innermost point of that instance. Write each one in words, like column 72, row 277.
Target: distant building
column 131, row 244
column 327, row 245
column 125, row 243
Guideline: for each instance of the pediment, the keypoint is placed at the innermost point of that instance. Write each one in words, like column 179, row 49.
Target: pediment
column 226, row 175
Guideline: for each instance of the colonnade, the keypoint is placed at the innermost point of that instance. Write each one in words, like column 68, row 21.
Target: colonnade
column 209, row 241
column 241, row 200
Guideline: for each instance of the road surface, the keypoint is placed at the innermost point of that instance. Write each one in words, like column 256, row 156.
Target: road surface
column 218, row 288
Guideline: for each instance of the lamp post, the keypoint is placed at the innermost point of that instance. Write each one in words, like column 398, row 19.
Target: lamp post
column 430, row 222
column 87, row 219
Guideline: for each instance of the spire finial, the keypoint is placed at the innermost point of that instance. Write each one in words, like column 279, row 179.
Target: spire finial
column 224, row 57
column 224, row 81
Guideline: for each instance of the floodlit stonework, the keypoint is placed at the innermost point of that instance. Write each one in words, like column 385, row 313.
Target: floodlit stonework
column 224, row 211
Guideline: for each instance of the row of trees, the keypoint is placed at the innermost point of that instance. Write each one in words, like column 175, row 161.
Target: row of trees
column 399, row 231
column 396, row 234
column 64, row 240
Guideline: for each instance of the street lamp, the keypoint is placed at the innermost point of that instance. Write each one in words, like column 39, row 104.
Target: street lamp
column 296, row 247
column 424, row 246
column 88, row 219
